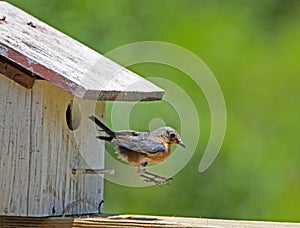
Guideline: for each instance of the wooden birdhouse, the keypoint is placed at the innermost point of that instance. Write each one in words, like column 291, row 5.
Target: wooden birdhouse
column 44, row 134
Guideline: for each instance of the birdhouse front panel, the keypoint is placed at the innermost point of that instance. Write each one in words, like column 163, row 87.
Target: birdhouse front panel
column 44, row 134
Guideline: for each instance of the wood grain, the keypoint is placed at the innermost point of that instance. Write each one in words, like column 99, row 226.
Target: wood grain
column 38, row 152
column 15, row 118
column 137, row 221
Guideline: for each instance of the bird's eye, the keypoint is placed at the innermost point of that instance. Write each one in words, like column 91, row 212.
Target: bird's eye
column 172, row 135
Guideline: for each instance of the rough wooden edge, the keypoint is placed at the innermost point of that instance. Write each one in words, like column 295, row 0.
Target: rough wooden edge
column 135, row 221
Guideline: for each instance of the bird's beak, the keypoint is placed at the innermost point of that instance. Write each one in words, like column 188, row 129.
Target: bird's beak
column 181, row 144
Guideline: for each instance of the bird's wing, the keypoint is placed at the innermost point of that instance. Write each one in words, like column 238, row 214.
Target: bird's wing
column 131, row 133
column 139, row 143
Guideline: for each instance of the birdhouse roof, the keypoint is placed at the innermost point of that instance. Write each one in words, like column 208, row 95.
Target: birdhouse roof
column 31, row 49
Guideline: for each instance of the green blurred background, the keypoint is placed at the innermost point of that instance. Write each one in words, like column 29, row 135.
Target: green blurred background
column 253, row 48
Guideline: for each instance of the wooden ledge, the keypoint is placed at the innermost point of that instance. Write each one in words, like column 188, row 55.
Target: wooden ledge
column 134, row 221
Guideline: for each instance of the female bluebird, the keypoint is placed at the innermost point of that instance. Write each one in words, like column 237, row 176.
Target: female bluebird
column 141, row 148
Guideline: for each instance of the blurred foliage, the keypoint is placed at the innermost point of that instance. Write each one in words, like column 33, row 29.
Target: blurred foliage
column 253, row 48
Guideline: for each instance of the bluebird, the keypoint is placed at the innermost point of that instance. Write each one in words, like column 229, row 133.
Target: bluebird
column 142, row 148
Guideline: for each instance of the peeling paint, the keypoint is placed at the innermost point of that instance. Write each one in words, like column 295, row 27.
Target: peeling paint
column 3, row 50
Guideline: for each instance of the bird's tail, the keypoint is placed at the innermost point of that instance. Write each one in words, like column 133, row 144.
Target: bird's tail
column 104, row 128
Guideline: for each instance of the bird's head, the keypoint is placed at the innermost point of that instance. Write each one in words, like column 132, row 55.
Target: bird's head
column 168, row 135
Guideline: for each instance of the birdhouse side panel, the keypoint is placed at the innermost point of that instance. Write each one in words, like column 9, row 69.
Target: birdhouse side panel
column 15, row 147
column 89, row 188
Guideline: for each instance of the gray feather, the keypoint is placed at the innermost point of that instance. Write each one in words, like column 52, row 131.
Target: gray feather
column 141, row 143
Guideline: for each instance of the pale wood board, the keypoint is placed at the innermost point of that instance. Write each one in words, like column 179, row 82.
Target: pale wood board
column 15, row 118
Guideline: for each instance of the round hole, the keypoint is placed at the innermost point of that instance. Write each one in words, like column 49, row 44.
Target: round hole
column 73, row 116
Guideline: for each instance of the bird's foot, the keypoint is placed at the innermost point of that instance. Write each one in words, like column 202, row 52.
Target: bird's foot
column 151, row 177
column 157, row 180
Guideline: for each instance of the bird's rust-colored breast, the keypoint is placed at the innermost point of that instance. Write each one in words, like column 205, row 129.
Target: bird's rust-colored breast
column 136, row 158
column 160, row 156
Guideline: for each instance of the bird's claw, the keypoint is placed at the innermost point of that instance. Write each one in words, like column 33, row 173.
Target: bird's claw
column 151, row 177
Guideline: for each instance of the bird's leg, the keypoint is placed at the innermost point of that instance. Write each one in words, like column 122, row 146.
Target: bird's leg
column 155, row 178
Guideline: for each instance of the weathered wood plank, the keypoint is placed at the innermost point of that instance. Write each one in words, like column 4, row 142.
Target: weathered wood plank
column 138, row 221
column 14, row 146
column 56, row 150
column 47, row 149
column 70, row 65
